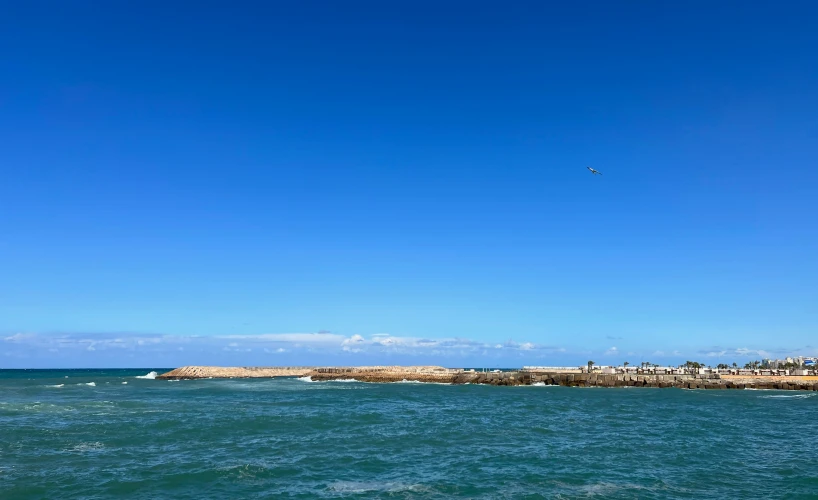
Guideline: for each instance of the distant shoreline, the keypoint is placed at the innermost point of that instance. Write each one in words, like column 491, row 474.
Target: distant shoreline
column 438, row 374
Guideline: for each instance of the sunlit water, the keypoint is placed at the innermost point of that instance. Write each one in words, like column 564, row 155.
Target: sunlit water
column 118, row 433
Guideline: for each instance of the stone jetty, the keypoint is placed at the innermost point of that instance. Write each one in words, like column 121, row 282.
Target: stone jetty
column 197, row 372
column 361, row 373
column 438, row 374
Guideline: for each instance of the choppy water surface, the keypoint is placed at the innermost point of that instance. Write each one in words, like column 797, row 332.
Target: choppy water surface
column 106, row 434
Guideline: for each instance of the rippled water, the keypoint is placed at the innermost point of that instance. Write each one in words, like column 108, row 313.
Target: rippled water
column 106, row 434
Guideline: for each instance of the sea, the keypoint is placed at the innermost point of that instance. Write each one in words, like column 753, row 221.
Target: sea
column 98, row 434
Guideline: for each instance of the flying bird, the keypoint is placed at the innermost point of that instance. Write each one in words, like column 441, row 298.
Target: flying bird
column 595, row 172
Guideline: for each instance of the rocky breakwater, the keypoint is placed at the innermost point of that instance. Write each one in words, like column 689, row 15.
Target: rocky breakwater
column 435, row 374
column 667, row 381
column 438, row 374
column 199, row 372
column 771, row 382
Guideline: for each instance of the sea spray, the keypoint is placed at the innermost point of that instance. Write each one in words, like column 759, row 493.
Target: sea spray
column 309, row 379
column 788, row 396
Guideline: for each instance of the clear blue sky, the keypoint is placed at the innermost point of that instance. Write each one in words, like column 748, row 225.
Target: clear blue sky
column 195, row 171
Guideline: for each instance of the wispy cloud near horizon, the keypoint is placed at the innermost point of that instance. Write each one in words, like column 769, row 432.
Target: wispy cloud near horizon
column 38, row 350
column 115, row 349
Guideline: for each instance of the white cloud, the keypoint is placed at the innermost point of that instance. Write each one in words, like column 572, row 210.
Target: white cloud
column 337, row 348
column 739, row 352
column 716, row 354
column 355, row 339
column 291, row 338
column 19, row 337
column 743, row 351
column 350, row 344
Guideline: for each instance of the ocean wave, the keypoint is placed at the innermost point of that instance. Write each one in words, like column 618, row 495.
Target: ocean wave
column 56, row 385
column 374, row 486
column 788, row 396
column 149, row 376
column 89, row 384
column 309, row 379
column 404, row 381
column 90, row 446
column 124, row 383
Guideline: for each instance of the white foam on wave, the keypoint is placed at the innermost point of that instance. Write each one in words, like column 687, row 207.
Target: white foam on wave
column 90, row 384
column 337, row 380
column 787, row 396
column 309, row 379
column 88, row 446
column 174, row 380
column 56, row 385
column 124, row 383
column 404, row 381
column 351, row 380
column 149, row 376
column 374, row 486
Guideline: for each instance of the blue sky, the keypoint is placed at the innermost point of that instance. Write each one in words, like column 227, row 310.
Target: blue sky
column 219, row 183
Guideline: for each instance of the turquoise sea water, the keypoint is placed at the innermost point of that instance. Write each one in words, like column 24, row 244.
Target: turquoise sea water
column 109, row 434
